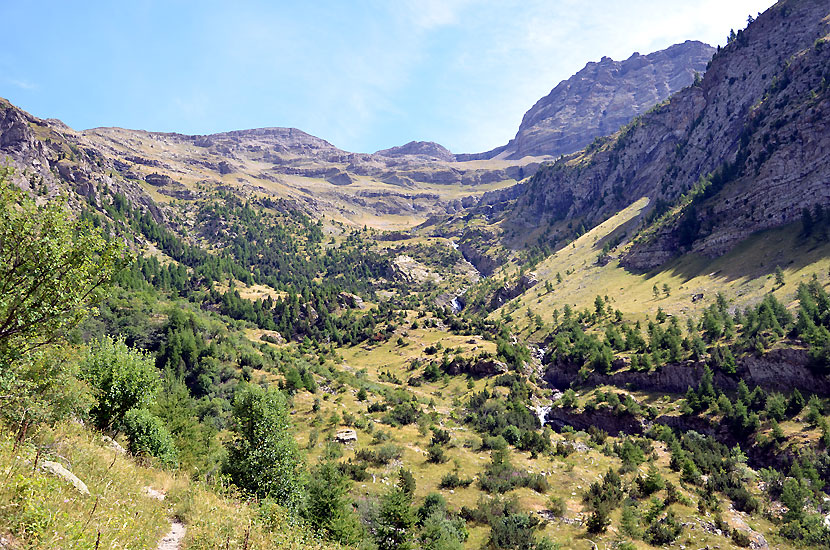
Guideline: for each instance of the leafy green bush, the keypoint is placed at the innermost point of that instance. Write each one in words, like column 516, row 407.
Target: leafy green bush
column 664, row 530
column 383, row 455
column 495, row 443
column 121, row 378
column 451, row 480
column 440, row 532
column 501, row 476
column 395, row 519
column 514, row 531
column 149, row 436
column 435, row 454
column 740, row 538
column 52, row 270
column 354, row 470
column 557, row 506
column 653, row 481
column 402, row 413
column 263, row 457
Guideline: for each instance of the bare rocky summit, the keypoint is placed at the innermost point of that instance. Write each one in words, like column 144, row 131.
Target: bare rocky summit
column 428, row 149
column 753, row 133
column 416, row 180
column 603, row 97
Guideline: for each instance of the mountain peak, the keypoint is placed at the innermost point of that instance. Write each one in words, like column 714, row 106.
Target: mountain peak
column 428, row 149
column 604, row 96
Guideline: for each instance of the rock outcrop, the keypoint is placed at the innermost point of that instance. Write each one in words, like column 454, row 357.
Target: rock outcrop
column 601, row 98
column 346, row 436
column 508, row 292
column 780, row 370
column 49, row 158
column 58, row 470
column 752, row 134
column 428, row 149
column 481, row 367
column 603, row 418
column 470, row 249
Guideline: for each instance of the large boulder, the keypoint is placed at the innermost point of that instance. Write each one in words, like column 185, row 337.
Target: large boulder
column 346, row 436
column 58, row 470
column 479, row 367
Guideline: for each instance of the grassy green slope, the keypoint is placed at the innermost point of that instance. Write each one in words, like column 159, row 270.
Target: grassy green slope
column 744, row 275
column 39, row 510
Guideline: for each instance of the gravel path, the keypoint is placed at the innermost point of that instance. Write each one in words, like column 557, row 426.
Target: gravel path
column 173, row 539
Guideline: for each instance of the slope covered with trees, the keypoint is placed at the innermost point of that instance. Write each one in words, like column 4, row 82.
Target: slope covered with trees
column 285, row 379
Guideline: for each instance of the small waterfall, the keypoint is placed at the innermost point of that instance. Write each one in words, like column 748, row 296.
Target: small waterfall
column 542, row 413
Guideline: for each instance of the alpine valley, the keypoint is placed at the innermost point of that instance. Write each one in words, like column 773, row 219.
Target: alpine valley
column 611, row 332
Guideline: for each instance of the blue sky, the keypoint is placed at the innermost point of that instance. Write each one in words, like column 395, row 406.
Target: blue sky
column 364, row 74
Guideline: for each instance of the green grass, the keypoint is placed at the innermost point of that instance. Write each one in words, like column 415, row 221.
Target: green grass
column 744, row 275
column 568, row 477
column 43, row 511
column 38, row 510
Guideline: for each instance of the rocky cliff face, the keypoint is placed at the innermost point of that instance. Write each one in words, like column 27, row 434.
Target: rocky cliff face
column 428, row 149
column 414, row 180
column 510, row 291
column 603, row 97
column 757, row 121
column 776, row 370
column 49, row 158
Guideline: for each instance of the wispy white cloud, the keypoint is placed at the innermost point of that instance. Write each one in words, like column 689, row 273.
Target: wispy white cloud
column 431, row 14
column 22, row 83
column 365, row 75
column 516, row 51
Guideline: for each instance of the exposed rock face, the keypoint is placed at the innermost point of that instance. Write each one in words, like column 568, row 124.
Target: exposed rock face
column 781, row 166
column 351, row 300
column 279, row 162
column 759, row 117
column 603, row 418
column 428, row 149
column 279, row 140
column 158, row 179
column 340, row 178
column 482, row 262
column 603, row 97
column 508, row 292
column 113, row 444
column 291, row 154
column 318, row 176
column 346, row 436
column 478, row 368
column 410, row 270
column 49, row 158
column 777, row 370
